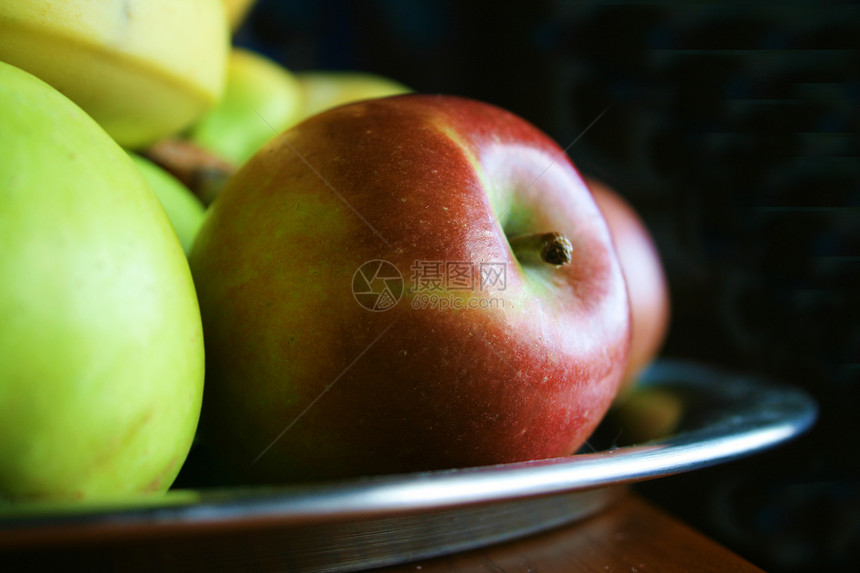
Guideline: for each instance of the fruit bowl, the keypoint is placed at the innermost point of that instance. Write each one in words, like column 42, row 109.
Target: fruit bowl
column 375, row 521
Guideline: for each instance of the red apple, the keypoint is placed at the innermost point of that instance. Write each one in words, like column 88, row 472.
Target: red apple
column 478, row 350
column 647, row 286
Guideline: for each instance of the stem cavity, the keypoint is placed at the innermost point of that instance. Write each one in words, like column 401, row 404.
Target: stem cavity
column 550, row 248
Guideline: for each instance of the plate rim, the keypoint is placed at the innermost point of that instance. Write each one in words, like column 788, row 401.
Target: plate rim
column 772, row 414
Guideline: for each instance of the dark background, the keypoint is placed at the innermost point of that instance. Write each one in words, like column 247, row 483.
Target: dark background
column 732, row 128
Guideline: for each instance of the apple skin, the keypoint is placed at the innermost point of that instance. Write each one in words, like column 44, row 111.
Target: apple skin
column 261, row 99
column 325, row 89
column 647, row 286
column 185, row 211
column 101, row 350
column 299, row 372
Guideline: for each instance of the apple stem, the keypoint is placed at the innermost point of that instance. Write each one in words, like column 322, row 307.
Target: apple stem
column 202, row 171
column 552, row 248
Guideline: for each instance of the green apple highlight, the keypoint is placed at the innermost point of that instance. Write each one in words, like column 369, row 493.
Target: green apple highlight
column 101, row 350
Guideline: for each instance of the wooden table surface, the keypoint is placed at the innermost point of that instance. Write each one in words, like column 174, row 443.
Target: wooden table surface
column 631, row 536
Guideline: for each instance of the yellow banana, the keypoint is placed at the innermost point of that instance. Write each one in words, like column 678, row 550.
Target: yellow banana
column 143, row 69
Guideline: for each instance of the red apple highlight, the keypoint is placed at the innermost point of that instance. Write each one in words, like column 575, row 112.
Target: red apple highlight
column 646, row 281
column 405, row 284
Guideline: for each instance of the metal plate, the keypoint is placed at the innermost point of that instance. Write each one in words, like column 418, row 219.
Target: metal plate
column 394, row 519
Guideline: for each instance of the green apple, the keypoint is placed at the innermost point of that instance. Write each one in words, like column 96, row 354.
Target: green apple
column 101, row 350
column 261, row 99
column 380, row 293
column 646, row 414
column 323, row 90
column 184, row 209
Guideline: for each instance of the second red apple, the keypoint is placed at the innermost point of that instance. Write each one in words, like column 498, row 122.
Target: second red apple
column 647, row 286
